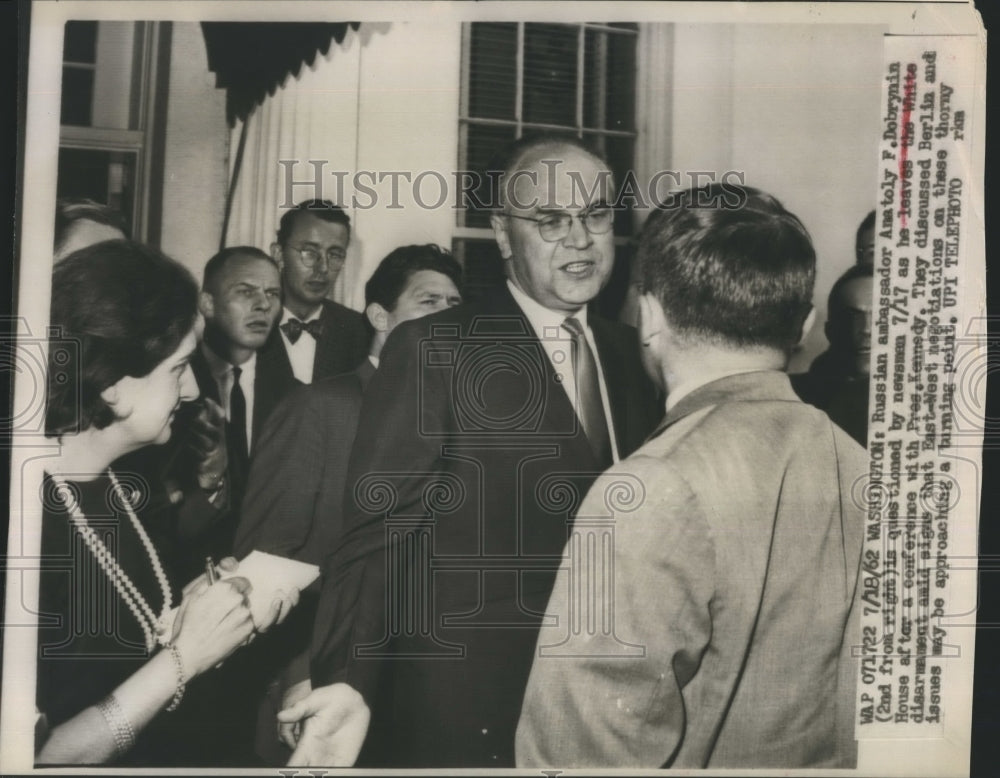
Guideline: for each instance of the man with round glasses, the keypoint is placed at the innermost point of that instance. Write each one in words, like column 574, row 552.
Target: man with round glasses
column 479, row 421
column 316, row 336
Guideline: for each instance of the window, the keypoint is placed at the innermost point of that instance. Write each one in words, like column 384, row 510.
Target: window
column 106, row 135
column 521, row 77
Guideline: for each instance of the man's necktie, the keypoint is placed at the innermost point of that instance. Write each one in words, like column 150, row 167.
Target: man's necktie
column 590, row 409
column 237, row 429
column 294, row 328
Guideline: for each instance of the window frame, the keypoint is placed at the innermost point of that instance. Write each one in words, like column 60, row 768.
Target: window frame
column 146, row 116
column 461, row 230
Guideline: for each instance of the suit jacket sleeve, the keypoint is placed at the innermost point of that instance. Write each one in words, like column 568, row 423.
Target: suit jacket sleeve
column 589, row 707
column 286, row 475
column 384, row 475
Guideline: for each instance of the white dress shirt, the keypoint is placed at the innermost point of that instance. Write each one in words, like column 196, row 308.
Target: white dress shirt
column 302, row 353
column 558, row 346
column 223, row 374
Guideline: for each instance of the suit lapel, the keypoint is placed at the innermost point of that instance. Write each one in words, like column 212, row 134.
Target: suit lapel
column 203, row 375
column 273, row 361
column 557, row 414
column 329, row 345
column 364, row 372
column 616, row 378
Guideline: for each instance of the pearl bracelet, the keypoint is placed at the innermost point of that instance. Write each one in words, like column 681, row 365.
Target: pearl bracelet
column 175, row 654
column 118, row 723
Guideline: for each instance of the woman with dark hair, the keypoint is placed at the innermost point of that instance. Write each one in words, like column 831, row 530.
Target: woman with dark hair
column 111, row 654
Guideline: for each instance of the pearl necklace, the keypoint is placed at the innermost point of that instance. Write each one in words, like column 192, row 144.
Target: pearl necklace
column 150, row 623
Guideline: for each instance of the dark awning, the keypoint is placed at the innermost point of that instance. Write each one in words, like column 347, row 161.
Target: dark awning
column 252, row 59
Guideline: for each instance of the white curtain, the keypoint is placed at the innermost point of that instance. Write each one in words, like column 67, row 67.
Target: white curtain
column 310, row 117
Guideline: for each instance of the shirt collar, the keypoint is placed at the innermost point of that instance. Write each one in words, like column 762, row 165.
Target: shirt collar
column 220, row 368
column 541, row 318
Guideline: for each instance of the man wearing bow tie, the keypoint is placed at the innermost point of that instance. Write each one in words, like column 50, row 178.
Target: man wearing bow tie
column 316, row 337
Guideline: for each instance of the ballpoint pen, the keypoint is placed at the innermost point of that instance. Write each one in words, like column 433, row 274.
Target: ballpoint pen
column 210, row 572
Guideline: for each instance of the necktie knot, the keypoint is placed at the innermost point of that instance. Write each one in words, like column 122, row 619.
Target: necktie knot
column 573, row 326
column 293, row 328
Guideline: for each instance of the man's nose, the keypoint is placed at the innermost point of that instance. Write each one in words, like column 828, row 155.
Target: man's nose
column 579, row 237
column 261, row 302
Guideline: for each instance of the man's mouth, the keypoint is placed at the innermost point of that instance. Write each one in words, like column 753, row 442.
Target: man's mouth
column 258, row 326
column 579, row 269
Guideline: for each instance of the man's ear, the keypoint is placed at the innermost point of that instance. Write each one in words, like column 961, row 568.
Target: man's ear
column 652, row 321
column 206, row 304
column 378, row 316
column 500, row 224
column 807, row 326
column 277, row 256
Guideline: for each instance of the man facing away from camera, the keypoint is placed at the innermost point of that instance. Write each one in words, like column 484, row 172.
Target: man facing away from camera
column 475, row 423
column 735, row 570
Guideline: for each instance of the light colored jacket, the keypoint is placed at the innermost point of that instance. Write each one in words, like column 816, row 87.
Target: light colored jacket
column 718, row 633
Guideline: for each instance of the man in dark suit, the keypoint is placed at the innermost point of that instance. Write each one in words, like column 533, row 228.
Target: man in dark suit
column 730, row 577
column 240, row 300
column 295, row 494
column 476, row 432
column 316, row 337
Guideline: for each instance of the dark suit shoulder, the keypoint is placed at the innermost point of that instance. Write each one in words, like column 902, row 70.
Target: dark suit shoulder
column 622, row 335
column 341, row 314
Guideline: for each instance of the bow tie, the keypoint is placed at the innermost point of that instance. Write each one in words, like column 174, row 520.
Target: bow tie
column 294, row 328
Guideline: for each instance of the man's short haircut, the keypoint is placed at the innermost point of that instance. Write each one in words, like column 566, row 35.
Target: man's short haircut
column 852, row 273
column 321, row 209
column 393, row 273
column 215, row 265
column 74, row 209
column 122, row 308
column 868, row 223
column 509, row 158
column 738, row 275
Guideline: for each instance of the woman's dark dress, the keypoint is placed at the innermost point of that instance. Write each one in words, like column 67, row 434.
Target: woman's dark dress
column 89, row 641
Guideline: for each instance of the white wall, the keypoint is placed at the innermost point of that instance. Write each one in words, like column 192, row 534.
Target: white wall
column 407, row 121
column 195, row 164
column 796, row 108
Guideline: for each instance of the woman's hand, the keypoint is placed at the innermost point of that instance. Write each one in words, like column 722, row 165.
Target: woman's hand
column 281, row 606
column 213, row 621
column 226, row 565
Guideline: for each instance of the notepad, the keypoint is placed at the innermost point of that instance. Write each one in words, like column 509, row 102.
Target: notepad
column 268, row 575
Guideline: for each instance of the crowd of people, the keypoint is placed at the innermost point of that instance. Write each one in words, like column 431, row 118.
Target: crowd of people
column 544, row 538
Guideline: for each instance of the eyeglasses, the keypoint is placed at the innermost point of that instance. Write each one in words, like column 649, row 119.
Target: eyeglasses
column 556, row 226
column 310, row 256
